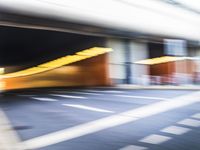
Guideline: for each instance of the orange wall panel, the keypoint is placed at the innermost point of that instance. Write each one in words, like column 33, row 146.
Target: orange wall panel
column 89, row 72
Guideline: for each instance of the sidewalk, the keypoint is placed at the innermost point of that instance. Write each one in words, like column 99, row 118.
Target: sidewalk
column 158, row 87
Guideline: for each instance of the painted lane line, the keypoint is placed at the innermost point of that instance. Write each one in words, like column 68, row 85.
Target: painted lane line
column 106, row 91
column 24, row 95
column 142, row 97
column 84, row 93
column 196, row 116
column 176, row 130
column 111, row 121
column 87, row 93
column 114, row 91
column 133, row 147
column 88, row 108
column 155, row 139
column 190, row 122
column 68, row 96
column 44, row 99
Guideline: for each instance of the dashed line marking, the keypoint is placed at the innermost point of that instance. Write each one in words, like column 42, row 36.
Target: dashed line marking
column 76, row 92
column 44, row 99
column 196, row 116
column 133, row 147
column 190, row 122
column 155, row 139
column 69, row 96
column 142, row 97
column 26, row 95
column 88, row 108
column 176, row 130
column 106, row 91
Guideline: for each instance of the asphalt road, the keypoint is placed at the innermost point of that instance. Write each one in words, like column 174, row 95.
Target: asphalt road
column 104, row 119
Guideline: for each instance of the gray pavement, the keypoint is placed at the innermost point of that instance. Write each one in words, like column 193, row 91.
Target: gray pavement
column 104, row 119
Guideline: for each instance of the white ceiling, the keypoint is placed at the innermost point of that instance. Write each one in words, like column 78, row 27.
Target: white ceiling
column 145, row 16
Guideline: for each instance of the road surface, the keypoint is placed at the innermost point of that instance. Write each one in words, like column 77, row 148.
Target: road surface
column 104, row 119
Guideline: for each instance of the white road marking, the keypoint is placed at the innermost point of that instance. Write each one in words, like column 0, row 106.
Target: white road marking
column 113, row 91
column 155, row 139
column 87, row 93
column 44, row 99
column 133, row 147
column 105, row 91
column 69, row 96
column 196, row 116
column 190, row 122
column 26, row 95
column 176, row 130
column 75, row 92
column 142, row 97
column 88, row 108
column 111, row 121
column 9, row 139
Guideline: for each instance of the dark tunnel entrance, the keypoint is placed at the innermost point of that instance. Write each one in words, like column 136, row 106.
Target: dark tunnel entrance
column 25, row 52
column 29, row 47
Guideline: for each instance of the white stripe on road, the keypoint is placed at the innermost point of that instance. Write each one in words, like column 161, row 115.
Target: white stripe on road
column 24, row 95
column 190, row 122
column 68, row 96
column 133, row 147
column 88, row 108
column 176, row 130
column 74, row 92
column 155, row 139
column 87, row 93
column 142, row 97
column 44, row 99
column 196, row 116
column 105, row 91
column 111, row 121
column 9, row 139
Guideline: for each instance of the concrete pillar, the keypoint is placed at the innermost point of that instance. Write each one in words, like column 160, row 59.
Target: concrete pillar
column 117, row 61
column 139, row 51
column 121, row 61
